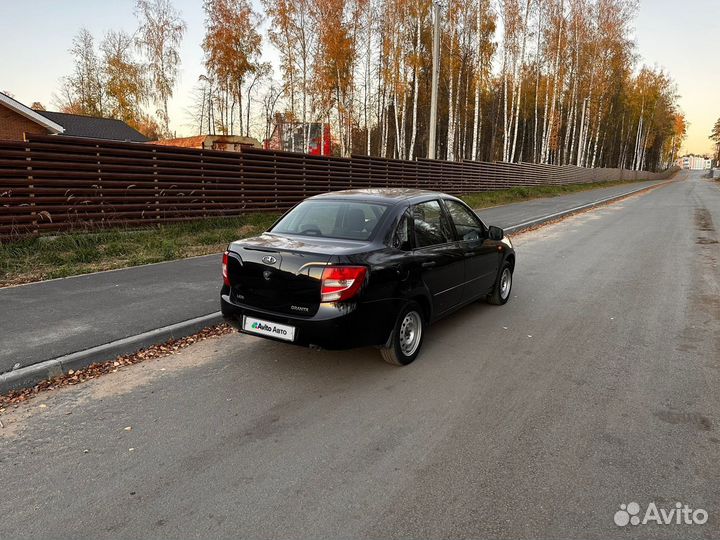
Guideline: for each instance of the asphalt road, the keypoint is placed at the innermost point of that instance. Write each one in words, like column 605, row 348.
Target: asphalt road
column 45, row 320
column 595, row 386
column 508, row 215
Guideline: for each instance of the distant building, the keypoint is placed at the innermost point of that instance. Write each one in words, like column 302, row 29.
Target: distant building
column 17, row 119
column 77, row 125
column 288, row 136
column 694, row 163
column 225, row 143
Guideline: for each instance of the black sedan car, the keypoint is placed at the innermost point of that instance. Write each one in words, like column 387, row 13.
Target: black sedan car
column 365, row 267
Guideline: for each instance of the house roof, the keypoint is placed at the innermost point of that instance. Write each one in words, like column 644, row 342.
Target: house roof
column 77, row 125
column 48, row 123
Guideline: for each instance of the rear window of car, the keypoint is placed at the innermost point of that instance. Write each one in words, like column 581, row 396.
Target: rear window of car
column 332, row 219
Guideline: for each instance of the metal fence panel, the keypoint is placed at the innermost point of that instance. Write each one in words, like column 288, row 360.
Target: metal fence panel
column 55, row 183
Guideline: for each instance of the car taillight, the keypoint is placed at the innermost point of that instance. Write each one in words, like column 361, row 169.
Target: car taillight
column 226, row 279
column 341, row 282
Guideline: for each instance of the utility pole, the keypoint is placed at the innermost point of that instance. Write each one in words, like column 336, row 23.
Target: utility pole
column 435, row 80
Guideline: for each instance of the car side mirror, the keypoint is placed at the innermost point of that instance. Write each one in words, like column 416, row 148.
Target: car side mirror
column 495, row 233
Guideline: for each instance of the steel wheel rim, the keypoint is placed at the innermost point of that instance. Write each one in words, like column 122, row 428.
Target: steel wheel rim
column 505, row 283
column 410, row 333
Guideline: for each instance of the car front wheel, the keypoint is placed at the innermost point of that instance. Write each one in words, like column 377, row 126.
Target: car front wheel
column 406, row 338
column 503, row 285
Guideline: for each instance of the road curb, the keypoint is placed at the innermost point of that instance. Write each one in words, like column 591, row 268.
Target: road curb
column 531, row 224
column 48, row 369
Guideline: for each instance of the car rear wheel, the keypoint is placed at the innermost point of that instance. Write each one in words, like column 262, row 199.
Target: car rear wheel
column 406, row 338
column 503, row 285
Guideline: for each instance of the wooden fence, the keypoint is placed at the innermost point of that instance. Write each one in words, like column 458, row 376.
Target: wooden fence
column 55, row 183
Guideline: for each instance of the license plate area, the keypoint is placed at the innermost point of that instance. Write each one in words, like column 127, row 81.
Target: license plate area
column 265, row 328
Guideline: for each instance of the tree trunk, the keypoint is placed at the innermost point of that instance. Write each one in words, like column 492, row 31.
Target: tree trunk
column 505, row 109
column 463, row 133
column 416, row 77
column 597, row 135
column 556, row 69
column 450, row 141
column 519, row 83
column 478, row 87
column 537, row 86
column 368, row 55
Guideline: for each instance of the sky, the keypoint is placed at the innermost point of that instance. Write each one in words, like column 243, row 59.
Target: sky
column 684, row 39
column 35, row 35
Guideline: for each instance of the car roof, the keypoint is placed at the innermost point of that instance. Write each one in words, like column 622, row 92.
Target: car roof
column 383, row 195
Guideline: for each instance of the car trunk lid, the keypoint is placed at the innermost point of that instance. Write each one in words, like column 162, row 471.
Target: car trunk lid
column 280, row 274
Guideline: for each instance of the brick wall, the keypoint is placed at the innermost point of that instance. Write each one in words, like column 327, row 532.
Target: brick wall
column 13, row 125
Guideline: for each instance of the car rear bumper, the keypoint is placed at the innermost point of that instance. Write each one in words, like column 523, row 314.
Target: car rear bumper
column 362, row 324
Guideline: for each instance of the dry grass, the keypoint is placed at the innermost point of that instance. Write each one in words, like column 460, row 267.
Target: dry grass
column 80, row 253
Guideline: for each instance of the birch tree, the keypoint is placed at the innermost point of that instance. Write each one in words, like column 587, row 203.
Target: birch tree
column 159, row 36
column 83, row 91
column 124, row 78
column 232, row 46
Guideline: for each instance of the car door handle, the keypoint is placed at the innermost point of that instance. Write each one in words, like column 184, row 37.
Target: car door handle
column 428, row 264
column 471, row 254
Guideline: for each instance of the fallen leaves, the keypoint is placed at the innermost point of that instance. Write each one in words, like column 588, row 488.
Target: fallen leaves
column 93, row 371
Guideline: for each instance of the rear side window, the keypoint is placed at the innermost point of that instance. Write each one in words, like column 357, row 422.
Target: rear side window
column 430, row 224
column 332, row 219
column 403, row 234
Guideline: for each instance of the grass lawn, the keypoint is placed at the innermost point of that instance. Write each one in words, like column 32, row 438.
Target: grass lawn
column 519, row 194
column 80, row 253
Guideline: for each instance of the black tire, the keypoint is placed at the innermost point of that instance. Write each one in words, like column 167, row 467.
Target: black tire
column 398, row 351
column 502, row 289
